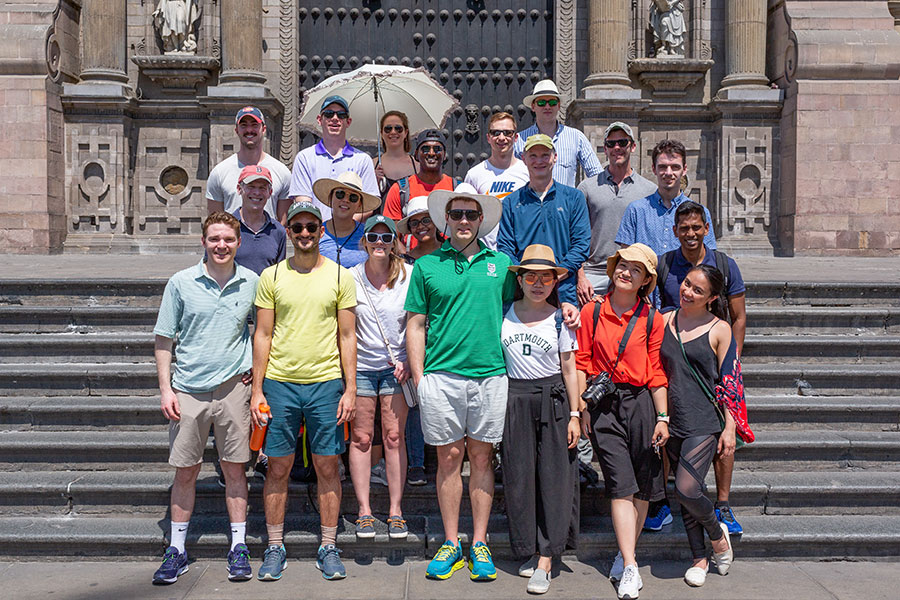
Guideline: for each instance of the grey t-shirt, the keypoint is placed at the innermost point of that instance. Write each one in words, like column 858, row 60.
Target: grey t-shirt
column 222, row 183
column 606, row 204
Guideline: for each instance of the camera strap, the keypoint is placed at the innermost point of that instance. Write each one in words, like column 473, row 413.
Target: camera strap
column 631, row 323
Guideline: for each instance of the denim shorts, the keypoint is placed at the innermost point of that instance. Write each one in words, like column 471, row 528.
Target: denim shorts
column 314, row 404
column 377, row 383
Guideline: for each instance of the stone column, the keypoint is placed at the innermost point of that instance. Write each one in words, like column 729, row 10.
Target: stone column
column 608, row 38
column 745, row 63
column 103, row 43
column 241, row 42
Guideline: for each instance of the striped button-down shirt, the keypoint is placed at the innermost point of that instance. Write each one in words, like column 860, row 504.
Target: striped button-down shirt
column 572, row 148
column 648, row 221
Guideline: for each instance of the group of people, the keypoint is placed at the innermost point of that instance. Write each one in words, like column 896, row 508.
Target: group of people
column 511, row 309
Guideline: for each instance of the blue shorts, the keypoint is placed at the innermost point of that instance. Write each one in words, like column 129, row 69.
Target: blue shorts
column 377, row 383
column 315, row 404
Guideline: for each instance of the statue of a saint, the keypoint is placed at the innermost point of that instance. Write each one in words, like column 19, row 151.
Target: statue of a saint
column 175, row 20
column 667, row 22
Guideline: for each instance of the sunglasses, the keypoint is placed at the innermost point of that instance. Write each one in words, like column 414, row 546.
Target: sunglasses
column 354, row 198
column 413, row 223
column 503, row 132
column 298, row 228
column 617, row 143
column 390, row 128
column 532, row 277
column 457, row 214
column 374, row 236
column 436, row 149
column 544, row 102
column 329, row 114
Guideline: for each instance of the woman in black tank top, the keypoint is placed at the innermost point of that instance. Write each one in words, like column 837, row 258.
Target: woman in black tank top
column 697, row 337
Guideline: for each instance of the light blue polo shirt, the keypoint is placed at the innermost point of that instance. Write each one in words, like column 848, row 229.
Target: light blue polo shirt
column 209, row 325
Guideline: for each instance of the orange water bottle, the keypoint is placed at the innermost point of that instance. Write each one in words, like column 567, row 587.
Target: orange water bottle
column 258, row 435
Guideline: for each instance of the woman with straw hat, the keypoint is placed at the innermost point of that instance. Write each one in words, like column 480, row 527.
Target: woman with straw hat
column 344, row 196
column 624, row 385
column 543, row 419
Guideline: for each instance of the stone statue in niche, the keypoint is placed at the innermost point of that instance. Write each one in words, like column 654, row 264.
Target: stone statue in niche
column 176, row 21
column 667, row 22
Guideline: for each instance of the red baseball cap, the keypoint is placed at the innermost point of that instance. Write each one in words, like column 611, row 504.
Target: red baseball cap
column 250, row 111
column 251, row 173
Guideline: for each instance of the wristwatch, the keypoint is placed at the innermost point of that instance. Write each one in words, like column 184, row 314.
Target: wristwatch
column 574, row 413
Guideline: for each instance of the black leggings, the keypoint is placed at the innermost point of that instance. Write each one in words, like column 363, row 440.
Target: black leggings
column 690, row 459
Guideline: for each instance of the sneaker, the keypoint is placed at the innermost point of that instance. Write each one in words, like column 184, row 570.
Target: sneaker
column 725, row 515
column 328, row 561
column 528, row 567
column 261, row 468
column 365, row 527
column 631, row 584
column 416, row 476
column 220, row 477
column 173, row 565
column 379, row 473
column 274, row 562
column 662, row 518
column 480, row 563
column 446, row 562
column 397, row 529
column 695, row 576
column 618, row 566
column 239, row 568
column 539, row 582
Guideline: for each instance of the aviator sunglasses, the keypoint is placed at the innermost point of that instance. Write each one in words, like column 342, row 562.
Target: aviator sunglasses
column 390, row 128
column 532, row 277
column 503, row 132
column 545, row 102
column 374, row 236
column 341, row 114
column 617, row 143
column 353, row 198
column 457, row 214
column 298, row 228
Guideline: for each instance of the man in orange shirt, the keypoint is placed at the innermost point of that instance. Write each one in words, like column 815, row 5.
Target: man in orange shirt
column 431, row 152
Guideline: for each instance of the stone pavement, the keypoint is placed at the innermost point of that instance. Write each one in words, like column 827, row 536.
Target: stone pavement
column 206, row 579
column 839, row 269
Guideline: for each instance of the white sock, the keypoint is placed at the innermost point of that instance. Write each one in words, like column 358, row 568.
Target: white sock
column 238, row 531
column 179, row 535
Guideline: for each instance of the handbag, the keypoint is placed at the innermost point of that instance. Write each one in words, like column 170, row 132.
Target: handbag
column 743, row 434
column 409, row 391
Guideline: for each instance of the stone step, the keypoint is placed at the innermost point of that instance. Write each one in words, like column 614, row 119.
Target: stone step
column 824, row 412
column 825, row 378
column 775, row 293
column 122, row 493
column 62, row 348
column 78, row 379
column 802, row 449
column 771, row 537
column 58, row 319
column 82, row 292
column 817, row 320
column 815, row 348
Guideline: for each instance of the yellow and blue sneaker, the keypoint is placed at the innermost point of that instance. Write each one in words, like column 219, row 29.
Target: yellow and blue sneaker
column 446, row 562
column 480, row 563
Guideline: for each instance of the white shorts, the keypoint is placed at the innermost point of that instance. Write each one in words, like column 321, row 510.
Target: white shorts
column 453, row 407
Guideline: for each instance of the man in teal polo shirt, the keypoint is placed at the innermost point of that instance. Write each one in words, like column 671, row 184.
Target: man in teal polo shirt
column 206, row 307
column 461, row 374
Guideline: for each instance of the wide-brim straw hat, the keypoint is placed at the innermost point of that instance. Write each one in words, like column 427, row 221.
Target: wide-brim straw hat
column 415, row 206
column 544, row 87
column 491, row 208
column 349, row 181
column 538, row 257
column 637, row 253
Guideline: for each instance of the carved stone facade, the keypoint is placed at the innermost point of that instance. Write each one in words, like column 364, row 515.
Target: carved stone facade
column 790, row 109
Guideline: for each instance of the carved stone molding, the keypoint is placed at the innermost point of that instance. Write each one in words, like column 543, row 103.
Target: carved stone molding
column 564, row 61
column 177, row 72
column 288, row 80
column 669, row 76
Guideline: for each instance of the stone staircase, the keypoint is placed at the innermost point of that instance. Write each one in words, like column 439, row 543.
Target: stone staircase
column 83, row 446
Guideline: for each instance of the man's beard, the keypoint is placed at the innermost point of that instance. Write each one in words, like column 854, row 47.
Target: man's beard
column 314, row 249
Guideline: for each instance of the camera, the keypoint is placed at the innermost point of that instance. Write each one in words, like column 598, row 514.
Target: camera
column 600, row 387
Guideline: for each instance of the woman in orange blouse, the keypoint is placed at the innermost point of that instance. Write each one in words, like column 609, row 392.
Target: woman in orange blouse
column 629, row 423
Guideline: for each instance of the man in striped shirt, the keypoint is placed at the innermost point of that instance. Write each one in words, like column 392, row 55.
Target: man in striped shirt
column 572, row 146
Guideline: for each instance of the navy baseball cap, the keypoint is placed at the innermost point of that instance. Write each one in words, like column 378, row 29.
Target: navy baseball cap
column 335, row 100
column 250, row 111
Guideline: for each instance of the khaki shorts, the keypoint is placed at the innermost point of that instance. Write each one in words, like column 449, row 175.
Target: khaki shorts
column 452, row 407
column 227, row 410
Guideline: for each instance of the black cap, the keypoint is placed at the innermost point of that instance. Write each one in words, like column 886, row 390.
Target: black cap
column 431, row 135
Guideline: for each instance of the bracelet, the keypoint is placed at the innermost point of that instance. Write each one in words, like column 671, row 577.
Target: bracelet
column 574, row 413
column 663, row 420
column 662, row 414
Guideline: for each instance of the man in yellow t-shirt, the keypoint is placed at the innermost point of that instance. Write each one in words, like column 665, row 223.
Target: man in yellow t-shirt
column 305, row 334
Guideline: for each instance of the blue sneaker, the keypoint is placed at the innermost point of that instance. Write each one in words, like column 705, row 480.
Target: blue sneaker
column 239, row 568
column 446, row 562
column 328, row 561
column 174, row 564
column 725, row 515
column 274, row 562
column 662, row 518
column 480, row 563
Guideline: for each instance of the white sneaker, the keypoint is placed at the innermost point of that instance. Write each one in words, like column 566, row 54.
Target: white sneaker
column 695, row 576
column 539, row 582
column 631, row 584
column 379, row 473
column 615, row 571
column 528, row 567
column 723, row 560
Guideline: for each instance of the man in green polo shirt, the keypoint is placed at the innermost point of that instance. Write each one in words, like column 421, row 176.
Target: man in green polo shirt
column 461, row 374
